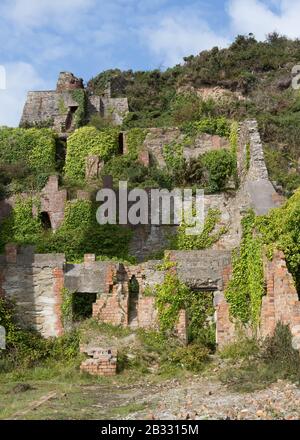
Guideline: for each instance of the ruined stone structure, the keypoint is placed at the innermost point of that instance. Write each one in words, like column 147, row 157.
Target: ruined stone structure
column 35, row 282
column 57, row 108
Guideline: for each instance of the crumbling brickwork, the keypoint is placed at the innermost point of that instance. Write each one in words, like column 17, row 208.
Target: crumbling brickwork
column 102, row 362
column 281, row 303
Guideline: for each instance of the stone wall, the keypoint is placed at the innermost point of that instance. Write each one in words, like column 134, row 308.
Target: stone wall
column 53, row 201
column 57, row 107
column 34, row 282
column 157, row 138
column 256, row 190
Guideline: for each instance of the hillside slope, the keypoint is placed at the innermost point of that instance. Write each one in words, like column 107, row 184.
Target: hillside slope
column 249, row 79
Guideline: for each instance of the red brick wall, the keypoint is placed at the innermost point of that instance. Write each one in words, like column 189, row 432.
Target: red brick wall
column 281, row 304
column 147, row 313
column 58, row 275
column 182, row 327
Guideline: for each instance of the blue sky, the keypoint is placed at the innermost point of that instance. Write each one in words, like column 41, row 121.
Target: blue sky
column 40, row 38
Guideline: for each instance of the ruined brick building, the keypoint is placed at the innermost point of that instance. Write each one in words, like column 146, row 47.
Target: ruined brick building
column 35, row 281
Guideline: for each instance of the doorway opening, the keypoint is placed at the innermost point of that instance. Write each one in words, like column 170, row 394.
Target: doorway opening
column 82, row 305
column 134, row 290
column 121, row 143
column 69, row 120
column 45, row 220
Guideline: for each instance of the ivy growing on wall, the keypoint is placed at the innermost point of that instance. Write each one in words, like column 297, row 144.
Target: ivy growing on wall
column 172, row 296
column 84, row 142
column 215, row 126
column 21, row 226
column 26, row 155
column 205, row 239
column 135, row 138
column 173, row 155
column 79, row 96
column 280, row 229
column 81, row 234
column 66, row 307
column 246, row 288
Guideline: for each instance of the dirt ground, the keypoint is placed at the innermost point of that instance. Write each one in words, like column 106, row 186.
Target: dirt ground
column 194, row 397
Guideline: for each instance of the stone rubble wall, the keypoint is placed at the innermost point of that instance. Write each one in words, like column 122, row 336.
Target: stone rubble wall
column 157, row 138
column 34, row 283
column 54, row 105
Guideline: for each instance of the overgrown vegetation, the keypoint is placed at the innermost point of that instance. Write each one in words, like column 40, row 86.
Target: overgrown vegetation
column 172, row 296
column 84, row 142
column 27, row 158
column 256, row 77
column 255, row 364
column 80, row 233
column 210, row 234
column 263, row 235
column 246, row 287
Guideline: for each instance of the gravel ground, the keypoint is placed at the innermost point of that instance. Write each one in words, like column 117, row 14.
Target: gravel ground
column 205, row 399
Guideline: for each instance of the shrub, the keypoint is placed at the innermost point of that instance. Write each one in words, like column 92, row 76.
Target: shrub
column 279, row 354
column 220, row 165
column 193, row 357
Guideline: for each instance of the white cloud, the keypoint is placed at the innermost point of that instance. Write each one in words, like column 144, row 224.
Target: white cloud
column 179, row 35
column 260, row 18
column 39, row 13
column 20, row 77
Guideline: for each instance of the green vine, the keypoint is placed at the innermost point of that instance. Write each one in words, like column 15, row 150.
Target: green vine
column 88, row 141
column 246, row 288
column 172, row 296
column 63, row 109
column 21, row 226
column 66, row 306
column 173, row 155
column 135, row 139
column 205, row 239
column 79, row 95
